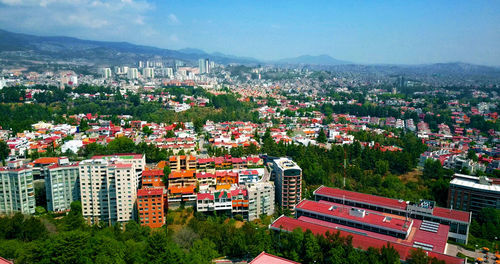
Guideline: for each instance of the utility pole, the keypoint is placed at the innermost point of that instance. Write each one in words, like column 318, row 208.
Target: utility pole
column 345, row 164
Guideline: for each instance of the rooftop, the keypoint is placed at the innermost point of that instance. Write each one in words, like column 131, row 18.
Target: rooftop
column 265, row 258
column 389, row 203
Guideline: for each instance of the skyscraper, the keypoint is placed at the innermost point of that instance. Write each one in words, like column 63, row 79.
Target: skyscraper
column 288, row 183
column 201, row 66
column 132, row 73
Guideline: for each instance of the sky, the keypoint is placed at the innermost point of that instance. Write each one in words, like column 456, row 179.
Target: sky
column 369, row 32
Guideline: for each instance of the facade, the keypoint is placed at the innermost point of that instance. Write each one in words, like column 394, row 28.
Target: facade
column 148, row 73
column 151, row 207
column 108, row 187
column 132, row 73
column 62, row 186
column 181, row 187
column 152, row 178
column 105, row 72
column 178, row 163
column 288, row 183
column 17, row 193
column 471, row 193
column 261, row 199
column 458, row 221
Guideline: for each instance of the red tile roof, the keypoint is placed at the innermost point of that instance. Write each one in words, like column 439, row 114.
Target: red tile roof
column 358, row 241
column 149, row 191
column 265, row 258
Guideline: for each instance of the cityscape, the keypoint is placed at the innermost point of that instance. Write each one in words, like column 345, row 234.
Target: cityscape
column 122, row 148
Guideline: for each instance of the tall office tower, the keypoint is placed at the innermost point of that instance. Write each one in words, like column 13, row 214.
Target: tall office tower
column 288, row 183
column 201, row 66
column 148, row 73
column 212, row 65
column 207, row 66
column 108, row 187
column 62, row 186
column 105, row 72
column 132, row 73
column 17, row 193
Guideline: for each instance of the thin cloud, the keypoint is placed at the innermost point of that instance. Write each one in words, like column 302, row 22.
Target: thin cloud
column 172, row 19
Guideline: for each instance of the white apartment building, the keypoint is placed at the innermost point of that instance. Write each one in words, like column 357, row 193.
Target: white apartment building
column 108, row 187
column 17, row 193
column 62, row 186
column 132, row 73
column 148, row 73
column 260, row 199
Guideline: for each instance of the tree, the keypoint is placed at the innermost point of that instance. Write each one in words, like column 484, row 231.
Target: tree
column 321, row 136
column 471, row 154
column 418, row 256
column 389, row 255
column 4, row 151
column 121, row 145
column 74, row 219
column 166, row 173
column 381, row 167
column 146, row 130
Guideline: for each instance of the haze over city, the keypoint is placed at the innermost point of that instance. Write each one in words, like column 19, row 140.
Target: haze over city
column 393, row 32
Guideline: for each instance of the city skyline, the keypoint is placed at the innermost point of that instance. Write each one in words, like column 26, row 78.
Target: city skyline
column 371, row 33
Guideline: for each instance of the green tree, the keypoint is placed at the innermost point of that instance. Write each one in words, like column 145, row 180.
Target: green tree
column 4, row 151
column 121, row 145
column 321, row 136
column 74, row 219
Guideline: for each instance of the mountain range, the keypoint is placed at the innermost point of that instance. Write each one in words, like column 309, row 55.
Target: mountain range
column 99, row 52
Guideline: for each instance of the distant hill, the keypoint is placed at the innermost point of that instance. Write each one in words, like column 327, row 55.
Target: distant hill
column 67, row 48
column 312, row 60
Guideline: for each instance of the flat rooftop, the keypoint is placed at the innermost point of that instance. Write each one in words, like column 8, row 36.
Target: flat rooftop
column 389, row 203
column 340, row 211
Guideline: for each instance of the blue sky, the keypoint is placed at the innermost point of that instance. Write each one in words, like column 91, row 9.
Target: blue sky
column 400, row 32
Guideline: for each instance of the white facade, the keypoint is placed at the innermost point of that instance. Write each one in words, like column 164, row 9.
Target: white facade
column 108, row 187
column 62, row 187
column 260, row 199
column 17, row 193
column 132, row 73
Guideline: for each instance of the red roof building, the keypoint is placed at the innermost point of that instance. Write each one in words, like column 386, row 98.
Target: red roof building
column 266, row 258
column 151, row 207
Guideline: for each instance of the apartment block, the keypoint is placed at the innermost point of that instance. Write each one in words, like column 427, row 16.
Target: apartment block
column 260, row 199
column 108, row 187
column 178, row 163
column 62, row 186
column 288, row 183
column 151, row 207
column 17, row 193
column 152, row 178
column 471, row 193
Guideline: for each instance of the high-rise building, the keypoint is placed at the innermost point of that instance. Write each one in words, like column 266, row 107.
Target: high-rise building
column 151, row 207
column 62, row 186
column 105, row 73
column 141, row 64
column 17, row 193
column 204, row 66
column 108, row 187
column 261, row 199
column 132, row 73
column 288, row 183
column 148, row 72
column 471, row 193
column 201, row 66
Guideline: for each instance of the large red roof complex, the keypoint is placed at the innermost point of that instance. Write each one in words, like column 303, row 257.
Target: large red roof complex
column 360, row 238
column 388, row 203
